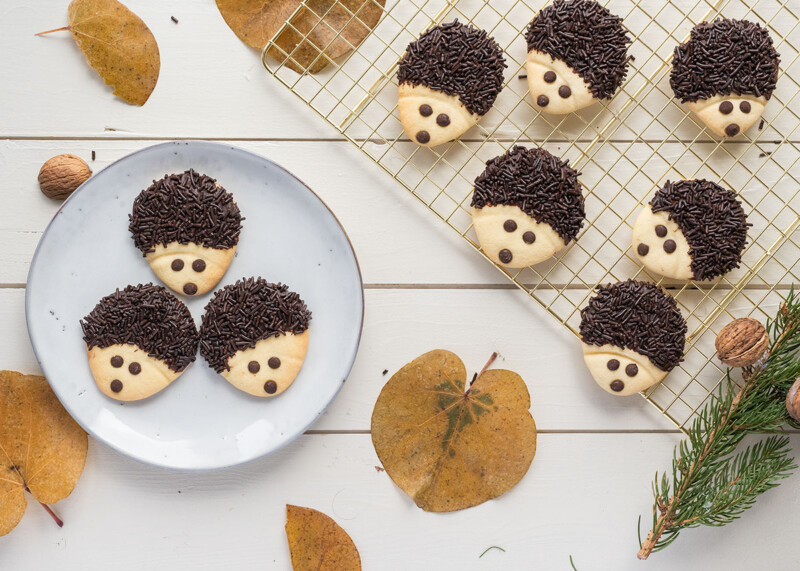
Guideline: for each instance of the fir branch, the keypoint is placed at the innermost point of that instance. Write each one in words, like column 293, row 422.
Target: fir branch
column 710, row 483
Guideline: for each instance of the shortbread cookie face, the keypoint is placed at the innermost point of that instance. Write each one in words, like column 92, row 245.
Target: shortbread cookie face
column 255, row 334
column 432, row 117
column 554, row 86
column 187, row 227
column 661, row 246
column 190, row 268
column 449, row 78
column 270, row 367
column 512, row 238
column 726, row 73
column 127, row 373
column 620, row 371
column 633, row 334
column 138, row 341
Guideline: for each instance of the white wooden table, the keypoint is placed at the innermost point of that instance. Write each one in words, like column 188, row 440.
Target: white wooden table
column 425, row 289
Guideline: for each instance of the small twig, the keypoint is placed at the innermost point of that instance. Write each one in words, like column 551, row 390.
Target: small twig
column 63, row 29
column 491, row 547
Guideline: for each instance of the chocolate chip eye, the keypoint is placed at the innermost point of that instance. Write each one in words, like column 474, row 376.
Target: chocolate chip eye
column 669, row 246
column 632, row 370
column 134, row 368
column 509, row 225
column 617, row 386
column 505, row 256
column 177, row 265
column 270, row 387
column 117, row 361
column 564, row 91
column 116, row 385
column 732, row 130
column 189, row 289
column 443, row 119
column 725, row 107
column 529, row 237
column 549, row 76
column 425, row 110
column 198, row 265
column 643, row 249
column 613, row 364
column 274, row 362
column 744, row 107
column 253, row 367
column 423, row 137
column 542, row 101
column 661, row 230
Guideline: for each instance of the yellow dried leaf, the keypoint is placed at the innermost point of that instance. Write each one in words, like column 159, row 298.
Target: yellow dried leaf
column 317, row 543
column 332, row 27
column 447, row 446
column 118, row 45
column 42, row 449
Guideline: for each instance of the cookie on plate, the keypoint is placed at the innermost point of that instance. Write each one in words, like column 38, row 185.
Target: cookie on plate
column 725, row 73
column 449, row 78
column 577, row 55
column 632, row 335
column 139, row 339
column 255, row 334
column 527, row 205
column 691, row 230
column 187, row 227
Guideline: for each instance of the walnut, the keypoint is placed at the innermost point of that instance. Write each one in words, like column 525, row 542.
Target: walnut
column 742, row 342
column 793, row 401
column 62, row 174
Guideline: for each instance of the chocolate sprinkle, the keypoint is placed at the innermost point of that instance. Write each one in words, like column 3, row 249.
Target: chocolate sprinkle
column 458, row 60
column 725, row 57
column 542, row 185
column 712, row 220
column 147, row 316
column 588, row 38
column 184, row 208
column 638, row 316
column 242, row 314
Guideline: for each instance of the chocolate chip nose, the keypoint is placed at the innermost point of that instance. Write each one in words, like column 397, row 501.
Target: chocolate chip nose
column 643, row 249
column 423, row 137
column 732, row 130
column 505, row 256
column 617, row 386
column 190, row 289
column 542, row 101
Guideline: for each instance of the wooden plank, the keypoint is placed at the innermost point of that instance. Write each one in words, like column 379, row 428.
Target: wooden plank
column 582, row 497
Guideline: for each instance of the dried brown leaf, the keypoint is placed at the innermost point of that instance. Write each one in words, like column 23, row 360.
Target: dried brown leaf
column 42, row 449
column 332, row 27
column 118, row 45
column 449, row 447
column 317, row 543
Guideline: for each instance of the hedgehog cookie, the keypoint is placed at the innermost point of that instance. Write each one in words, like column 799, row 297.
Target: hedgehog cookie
column 691, row 230
column 255, row 334
column 527, row 205
column 449, row 78
column 577, row 55
column 187, row 227
column 633, row 335
column 725, row 73
column 139, row 340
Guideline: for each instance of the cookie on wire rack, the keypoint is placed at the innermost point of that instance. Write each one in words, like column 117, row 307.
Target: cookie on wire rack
column 691, row 230
column 449, row 78
column 527, row 206
column 633, row 335
column 725, row 73
column 577, row 55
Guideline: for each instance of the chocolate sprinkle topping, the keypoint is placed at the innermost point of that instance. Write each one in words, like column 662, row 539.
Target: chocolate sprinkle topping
column 638, row 316
column 542, row 185
column 457, row 60
column 242, row 314
column 147, row 316
column 725, row 57
column 712, row 220
column 588, row 38
column 186, row 207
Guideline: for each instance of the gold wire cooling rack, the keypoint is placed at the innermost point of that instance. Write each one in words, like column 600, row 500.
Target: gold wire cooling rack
column 625, row 148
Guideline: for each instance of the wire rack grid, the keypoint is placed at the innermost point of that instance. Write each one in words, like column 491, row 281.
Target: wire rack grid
column 625, row 149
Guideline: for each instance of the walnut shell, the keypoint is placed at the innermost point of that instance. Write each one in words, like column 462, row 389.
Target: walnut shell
column 793, row 401
column 742, row 342
column 62, row 174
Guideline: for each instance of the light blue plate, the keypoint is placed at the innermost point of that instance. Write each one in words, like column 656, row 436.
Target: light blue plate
column 200, row 422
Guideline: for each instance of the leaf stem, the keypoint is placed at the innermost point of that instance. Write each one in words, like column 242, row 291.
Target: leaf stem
column 492, row 357
column 49, row 510
column 62, row 29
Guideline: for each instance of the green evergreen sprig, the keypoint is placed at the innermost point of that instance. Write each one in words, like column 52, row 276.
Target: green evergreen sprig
column 710, row 482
